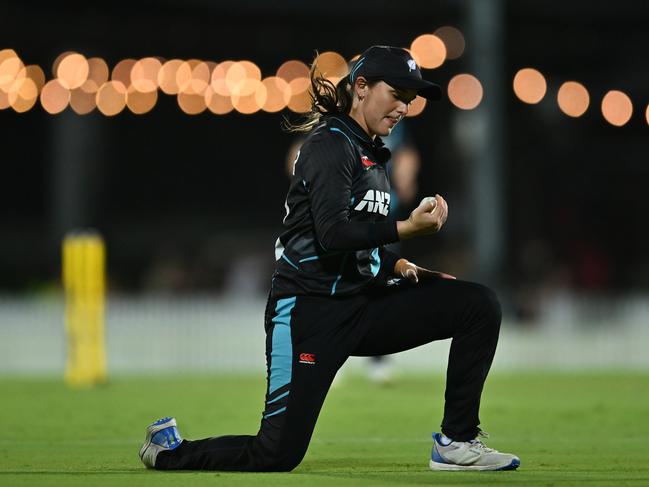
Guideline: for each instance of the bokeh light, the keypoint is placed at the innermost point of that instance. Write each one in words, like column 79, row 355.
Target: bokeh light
column 573, row 99
column 57, row 61
column 218, row 81
column 646, row 114
column 292, row 69
column 111, row 97
column 72, row 70
column 54, row 97
column 529, row 85
column 217, row 103
column 331, row 65
column 97, row 71
column 300, row 101
column 617, row 108
column 4, row 100
column 251, row 69
column 185, row 77
column 6, row 54
column 36, row 74
column 428, row 51
column 11, row 68
column 236, row 75
column 465, row 91
column 249, row 96
column 144, row 74
column 83, row 99
column 278, row 94
column 167, row 76
column 90, row 86
column 24, row 97
column 191, row 103
column 453, row 40
column 416, row 107
column 122, row 73
column 140, row 102
column 201, row 78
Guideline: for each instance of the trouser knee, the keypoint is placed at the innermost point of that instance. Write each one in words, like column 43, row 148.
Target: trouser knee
column 486, row 307
column 284, row 463
column 275, row 455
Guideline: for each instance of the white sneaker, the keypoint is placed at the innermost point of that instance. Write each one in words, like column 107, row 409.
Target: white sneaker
column 468, row 455
column 161, row 435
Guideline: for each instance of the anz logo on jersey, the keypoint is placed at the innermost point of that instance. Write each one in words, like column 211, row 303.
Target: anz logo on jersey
column 375, row 201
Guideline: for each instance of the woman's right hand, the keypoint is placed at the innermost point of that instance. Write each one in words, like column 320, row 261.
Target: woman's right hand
column 427, row 218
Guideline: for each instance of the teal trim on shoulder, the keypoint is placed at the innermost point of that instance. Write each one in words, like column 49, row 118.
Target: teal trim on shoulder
column 316, row 257
column 307, row 259
column 375, row 262
column 289, row 261
column 281, row 355
column 334, row 129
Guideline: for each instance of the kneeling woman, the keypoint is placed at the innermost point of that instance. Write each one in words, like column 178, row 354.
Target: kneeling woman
column 336, row 292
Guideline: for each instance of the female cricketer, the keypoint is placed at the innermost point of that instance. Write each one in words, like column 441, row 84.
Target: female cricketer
column 336, row 292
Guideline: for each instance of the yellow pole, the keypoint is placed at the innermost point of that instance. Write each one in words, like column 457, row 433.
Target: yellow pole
column 84, row 260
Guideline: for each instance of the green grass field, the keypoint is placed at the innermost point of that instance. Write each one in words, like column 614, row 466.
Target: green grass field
column 567, row 429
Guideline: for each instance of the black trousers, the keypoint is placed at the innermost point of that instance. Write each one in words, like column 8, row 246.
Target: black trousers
column 308, row 340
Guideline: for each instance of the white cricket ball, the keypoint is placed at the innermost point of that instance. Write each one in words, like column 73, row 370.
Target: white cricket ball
column 430, row 199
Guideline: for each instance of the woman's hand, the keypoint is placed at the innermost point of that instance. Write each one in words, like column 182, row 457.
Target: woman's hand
column 413, row 272
column 427, row 218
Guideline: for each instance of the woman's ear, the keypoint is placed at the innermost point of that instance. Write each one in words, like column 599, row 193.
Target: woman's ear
column 361, row 87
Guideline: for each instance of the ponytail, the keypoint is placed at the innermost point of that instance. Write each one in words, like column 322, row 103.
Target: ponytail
column 325, row 98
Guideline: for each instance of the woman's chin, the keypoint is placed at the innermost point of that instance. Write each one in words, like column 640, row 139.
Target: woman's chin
column 384, row 129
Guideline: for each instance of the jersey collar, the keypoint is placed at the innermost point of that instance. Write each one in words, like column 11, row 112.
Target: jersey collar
column 351, row 126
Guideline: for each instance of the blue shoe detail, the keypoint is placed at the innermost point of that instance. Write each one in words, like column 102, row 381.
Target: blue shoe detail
column 168, row 437
column 160, row 421
column 435, row 456
column 512, row 466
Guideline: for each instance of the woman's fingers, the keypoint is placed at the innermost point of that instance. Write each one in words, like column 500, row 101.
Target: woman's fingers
column 411, row 274
column 425, row 273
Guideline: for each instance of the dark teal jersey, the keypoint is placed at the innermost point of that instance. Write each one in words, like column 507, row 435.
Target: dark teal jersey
column 336, row 214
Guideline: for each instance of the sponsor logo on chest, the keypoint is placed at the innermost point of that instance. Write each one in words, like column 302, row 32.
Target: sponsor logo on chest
column 375, row 201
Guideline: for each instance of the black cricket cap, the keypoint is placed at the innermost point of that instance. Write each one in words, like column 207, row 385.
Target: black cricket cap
column 396, row 67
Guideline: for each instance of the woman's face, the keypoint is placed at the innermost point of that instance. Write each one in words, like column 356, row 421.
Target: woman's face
column 380, row 107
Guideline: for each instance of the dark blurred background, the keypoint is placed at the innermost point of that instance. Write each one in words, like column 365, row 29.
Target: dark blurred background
column 188, row 203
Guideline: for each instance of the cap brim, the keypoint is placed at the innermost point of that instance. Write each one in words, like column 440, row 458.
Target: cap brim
column 426, row 89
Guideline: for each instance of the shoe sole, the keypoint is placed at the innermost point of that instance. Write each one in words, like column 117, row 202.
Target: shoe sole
column 151, row 430
column 450, row 467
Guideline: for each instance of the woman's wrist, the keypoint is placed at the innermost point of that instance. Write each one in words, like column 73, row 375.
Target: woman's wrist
column 404, row 229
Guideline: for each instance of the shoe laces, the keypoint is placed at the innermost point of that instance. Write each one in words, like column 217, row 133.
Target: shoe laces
column 477, row 443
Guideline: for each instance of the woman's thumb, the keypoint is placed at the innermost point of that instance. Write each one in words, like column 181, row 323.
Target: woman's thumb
column 428, row 204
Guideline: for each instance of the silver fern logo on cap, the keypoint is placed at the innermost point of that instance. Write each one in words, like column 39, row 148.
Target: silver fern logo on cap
column 412, row 65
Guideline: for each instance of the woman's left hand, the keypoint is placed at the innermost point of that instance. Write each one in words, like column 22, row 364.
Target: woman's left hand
column 413, row 272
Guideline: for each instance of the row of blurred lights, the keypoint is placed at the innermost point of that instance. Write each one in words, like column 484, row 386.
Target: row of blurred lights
column 86, row 84
column 573, row 97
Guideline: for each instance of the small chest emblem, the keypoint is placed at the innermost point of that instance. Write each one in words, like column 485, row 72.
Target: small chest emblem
column 307, row 358
column 365, row 161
